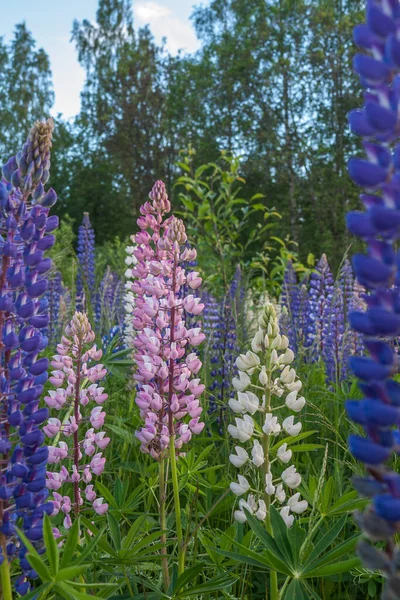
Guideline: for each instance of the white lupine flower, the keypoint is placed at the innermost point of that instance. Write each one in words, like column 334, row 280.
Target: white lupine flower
column 261, row 513
column 284, row 454
column 269, row 487
column 242, row 383
column 291, row 477
column 290, row 427
column 295, row 386
column 271, row 425
column 270, row 353
column 237, row 406
column 280, row 493
column 243, row 430
column 240, row 488
column 240, row 458
column 288, row 375
column 247, row 361
column 257, row 343
column 287, row 358
column 239, row 516
column 284, row 343
column 250, row 401
column 284, row 512
column 263, row 376
column 276, row 342
column 295, row 403
column 257, row 453
column 297, row 506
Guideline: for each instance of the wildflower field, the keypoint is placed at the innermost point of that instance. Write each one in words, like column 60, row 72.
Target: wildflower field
column 201, row 408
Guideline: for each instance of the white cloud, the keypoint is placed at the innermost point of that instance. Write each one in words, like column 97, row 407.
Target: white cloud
column 163, row 23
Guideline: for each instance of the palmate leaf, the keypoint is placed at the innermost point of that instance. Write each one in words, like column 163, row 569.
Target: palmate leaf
column 52, row 552
column 221, row 582
column 279, row 544
column 70, row 544
column 265, row 560
column 327, row 539
column 295, row 591
column 334, row 569
column 280, row 530
column 340, row 550
column 187, row 576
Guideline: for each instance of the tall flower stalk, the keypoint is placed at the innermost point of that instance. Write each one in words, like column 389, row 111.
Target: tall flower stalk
column 378, row 271
column 168, row 389
column 79, row 454
column 85, row 280
column 25, row 236
column 265, row 385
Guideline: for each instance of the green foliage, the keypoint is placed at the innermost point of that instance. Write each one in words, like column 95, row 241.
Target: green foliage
column 63, row 254
column 222, row 225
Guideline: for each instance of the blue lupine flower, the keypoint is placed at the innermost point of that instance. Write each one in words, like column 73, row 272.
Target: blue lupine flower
column 221, row 327
column 294, row 300
column 85, row 281
column 26, row 235
column 379, row 271
column 318, row 306
column 109, row 302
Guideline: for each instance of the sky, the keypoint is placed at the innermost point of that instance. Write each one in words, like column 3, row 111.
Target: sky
column 50, row 22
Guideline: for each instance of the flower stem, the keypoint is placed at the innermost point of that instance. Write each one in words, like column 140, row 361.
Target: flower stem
column 163, row 522
column 273, row 576
column 5, row 577
column 175, row 485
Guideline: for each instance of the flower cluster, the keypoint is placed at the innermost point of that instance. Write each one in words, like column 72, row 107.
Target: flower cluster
column 265, row 375
column 221, row 321
column 164, row 358
column 129, row 297
column 109, row 302
column 319, row 305
column 85, row 280
column 378, row 270
column 25, row 229
column 79, row 454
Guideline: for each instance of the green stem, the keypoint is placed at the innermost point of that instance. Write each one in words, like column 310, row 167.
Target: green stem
column 273, row 576
column 175, row 485
column 163, row 523
column 5, row 578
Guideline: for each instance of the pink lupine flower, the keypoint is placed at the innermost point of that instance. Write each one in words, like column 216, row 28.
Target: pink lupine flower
column 167, row 394
column 81, row 452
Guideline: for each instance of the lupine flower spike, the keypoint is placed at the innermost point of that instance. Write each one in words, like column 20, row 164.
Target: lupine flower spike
column 265, row 379
column 78, row 456
column 378, row 270
column 169, row 390
column 85, row 280
column 25, row 236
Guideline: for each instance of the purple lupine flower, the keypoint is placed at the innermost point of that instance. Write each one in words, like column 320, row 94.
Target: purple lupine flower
column 168, row 393
column 54, row 294
column 378, row 271
column 85, row 281
column 334, row 327
column 318, row 306
column 109, row 302
column 26, row 234
column 79, row 455
column 224, row 347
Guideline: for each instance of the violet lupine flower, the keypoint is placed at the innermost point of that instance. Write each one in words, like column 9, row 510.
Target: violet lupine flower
column 25, row 236
column 85, row 281
column 334, row 338
column 378, row 270
column 167, row 393
column 318, row 306
column 78, row 455
column 109, row 302
column 54, row 294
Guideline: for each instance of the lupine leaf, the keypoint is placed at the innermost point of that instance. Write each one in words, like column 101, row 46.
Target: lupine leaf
column 69, row 572
column 327, row 539
column 70, row 544
column 334, row 569
column 52, row 552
